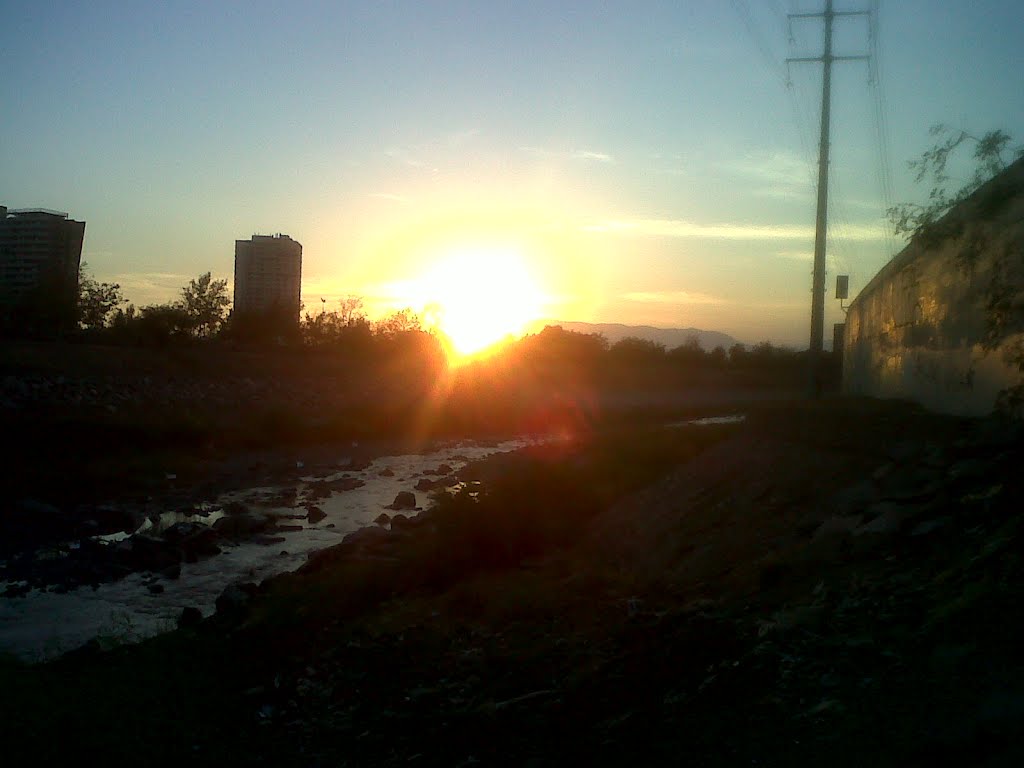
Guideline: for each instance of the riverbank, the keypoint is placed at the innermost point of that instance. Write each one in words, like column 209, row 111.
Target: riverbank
column 93, row 427
column 832, row 583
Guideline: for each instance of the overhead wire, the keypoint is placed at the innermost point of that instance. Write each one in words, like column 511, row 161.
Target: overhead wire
column 771, row 63
column 879, row 112
column 804, row 106
column 804, row 117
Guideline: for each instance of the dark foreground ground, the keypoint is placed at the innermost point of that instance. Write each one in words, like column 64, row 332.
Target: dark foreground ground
column 835, row 583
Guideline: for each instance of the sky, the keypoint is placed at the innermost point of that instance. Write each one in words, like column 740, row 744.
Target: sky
column 645, row 162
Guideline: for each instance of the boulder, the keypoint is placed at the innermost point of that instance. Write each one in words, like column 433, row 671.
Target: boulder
column 369, row 536
column 171, row 572
column 347, row 484
column 314, row 514
column 190, row 617
column 404, row 500
column 242, row 525
column 423, row 484
column 235, row 597
column 266, row 541
column 382, row 519
column 355, row 463
column 235, row 508
column 179, row 532
column 145, row 553
column 200, row 542
column 111, row 519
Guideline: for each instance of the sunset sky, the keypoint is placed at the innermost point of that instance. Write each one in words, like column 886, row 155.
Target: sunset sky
column 640, row 162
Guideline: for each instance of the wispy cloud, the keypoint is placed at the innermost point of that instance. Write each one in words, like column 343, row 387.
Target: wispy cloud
column 143, row 288
column 597, row 157
column 150, row 280
column 584, row 155
column 458, row 139
column 691, row 230
column 433, row 152
column 389, row 196
column 406, row 155
column 670, row 164
column 774, row 174
column 796, row 255
column 772, row 166
column 673, row 297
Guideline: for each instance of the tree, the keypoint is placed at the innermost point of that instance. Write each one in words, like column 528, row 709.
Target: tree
column 717, row 356
column 636, row 351
column 205, row 303
column 689, row 354
column 97, row 302
column 397, row 322
column 915, row 220
column 352, row 311
column 738, row 355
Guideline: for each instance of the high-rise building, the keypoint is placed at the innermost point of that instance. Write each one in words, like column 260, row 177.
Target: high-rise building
column 268, row 276
column 40, row 255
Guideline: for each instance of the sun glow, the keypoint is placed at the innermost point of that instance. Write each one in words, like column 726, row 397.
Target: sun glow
column 480, row 296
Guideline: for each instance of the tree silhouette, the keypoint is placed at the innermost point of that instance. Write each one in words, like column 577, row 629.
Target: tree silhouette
column 205, row 303
column 915, row 220
column 97, row 302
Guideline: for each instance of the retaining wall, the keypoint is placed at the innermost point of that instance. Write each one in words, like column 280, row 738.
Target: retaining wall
column 943, row 322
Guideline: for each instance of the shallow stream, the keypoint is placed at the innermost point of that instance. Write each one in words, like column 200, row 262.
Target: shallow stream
column 44, row 624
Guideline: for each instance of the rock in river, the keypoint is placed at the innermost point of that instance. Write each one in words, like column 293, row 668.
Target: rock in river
column 404, row 500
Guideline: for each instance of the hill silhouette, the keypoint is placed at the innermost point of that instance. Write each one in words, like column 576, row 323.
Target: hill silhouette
column 669, row 337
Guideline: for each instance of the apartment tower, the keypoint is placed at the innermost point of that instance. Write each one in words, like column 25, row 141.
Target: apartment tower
column 40, row 255
column 268, row 277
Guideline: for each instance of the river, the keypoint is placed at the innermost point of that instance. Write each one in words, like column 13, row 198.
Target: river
column 43, row 624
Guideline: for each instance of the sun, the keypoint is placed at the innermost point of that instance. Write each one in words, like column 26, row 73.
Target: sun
column 480, row 296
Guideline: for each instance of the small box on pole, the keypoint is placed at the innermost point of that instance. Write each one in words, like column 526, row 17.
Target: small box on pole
column 842, row 286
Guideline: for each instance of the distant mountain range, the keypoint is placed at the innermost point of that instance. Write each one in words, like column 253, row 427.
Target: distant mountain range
column 670, row 337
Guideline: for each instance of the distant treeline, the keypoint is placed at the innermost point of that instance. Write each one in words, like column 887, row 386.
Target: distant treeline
column 345, row 335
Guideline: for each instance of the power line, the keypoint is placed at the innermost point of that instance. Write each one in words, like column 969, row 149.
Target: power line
column 879, row 111
column 773, row 66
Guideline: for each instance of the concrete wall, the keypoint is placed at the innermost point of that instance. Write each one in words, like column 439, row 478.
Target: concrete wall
column 943, row 322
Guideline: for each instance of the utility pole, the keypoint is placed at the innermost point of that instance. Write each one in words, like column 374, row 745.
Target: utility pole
column 821, row 222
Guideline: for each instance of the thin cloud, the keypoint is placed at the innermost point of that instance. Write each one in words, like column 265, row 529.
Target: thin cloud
column 405, row 155
column 796, row 255
column 585, row 155
column 673, row 297
column 459, row 138
column 782, row 167
column 144, row 288
column 389, row 196
column 149, row 280
column 597, row 157
column 690, row 230
column 671, row 171
column 781, row 175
